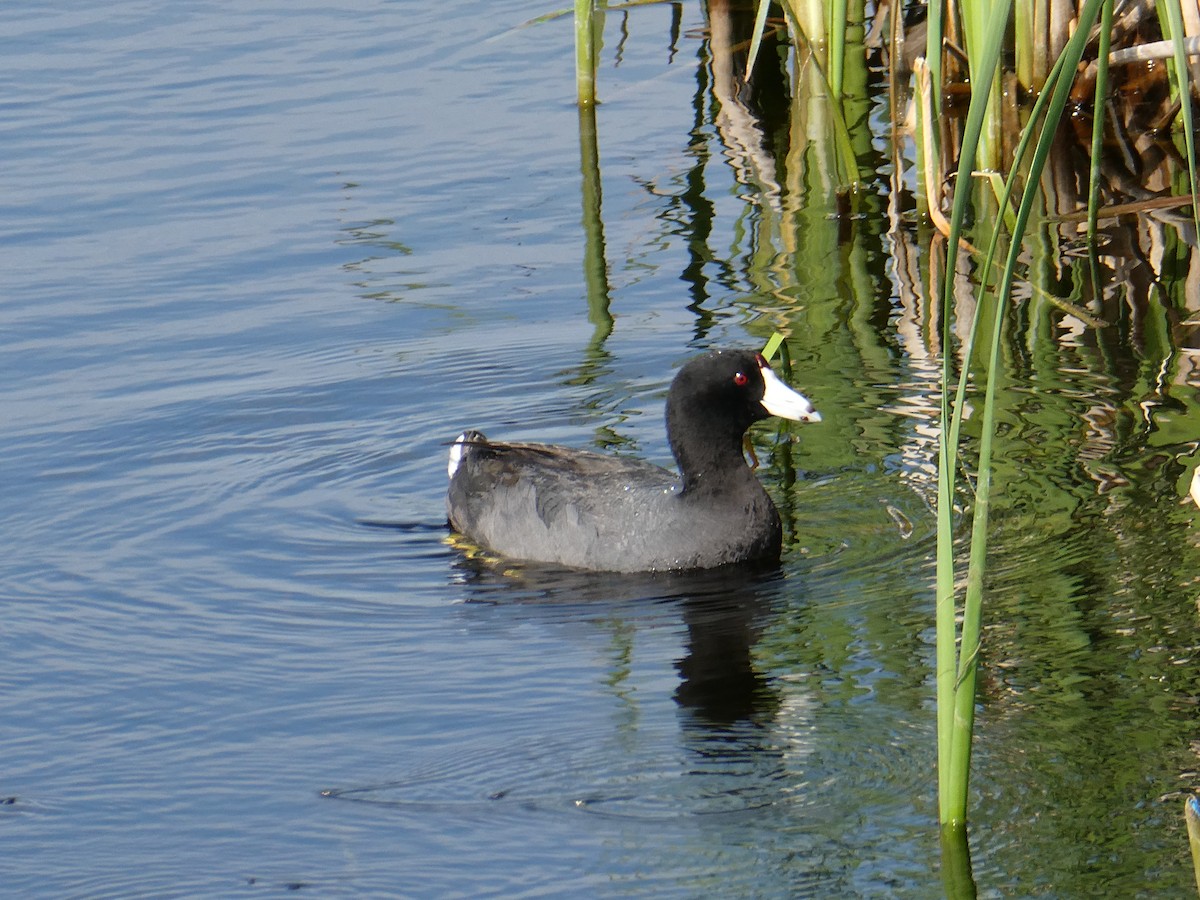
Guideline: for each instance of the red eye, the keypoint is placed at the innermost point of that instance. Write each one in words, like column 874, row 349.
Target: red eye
column 740, row 379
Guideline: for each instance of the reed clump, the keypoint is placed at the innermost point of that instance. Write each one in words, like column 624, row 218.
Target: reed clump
column 1030, row 121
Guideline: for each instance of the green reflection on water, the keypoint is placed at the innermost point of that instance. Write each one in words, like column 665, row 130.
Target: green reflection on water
column 1089, row 683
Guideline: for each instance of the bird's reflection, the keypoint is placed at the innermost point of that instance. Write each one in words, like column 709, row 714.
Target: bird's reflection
column 721, row 610
column 719, row 682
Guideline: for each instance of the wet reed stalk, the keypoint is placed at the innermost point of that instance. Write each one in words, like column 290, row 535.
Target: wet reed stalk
column 1191, row 814
column 1101, row 92
column 585, row 52
column 838, row 21
column 1181, row 87
column 955, row 726
column 1047, row 49
column 956, row 664
column 978, row 23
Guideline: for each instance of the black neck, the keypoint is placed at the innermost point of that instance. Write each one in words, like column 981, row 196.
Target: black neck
column 711, row 465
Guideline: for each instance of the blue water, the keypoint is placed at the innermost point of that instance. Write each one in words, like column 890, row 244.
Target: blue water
column 259, row 266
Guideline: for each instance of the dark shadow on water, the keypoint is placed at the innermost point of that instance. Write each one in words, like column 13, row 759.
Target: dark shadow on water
column 438, row 527
column 719, row 683
column 721, row 609
column 716, row 761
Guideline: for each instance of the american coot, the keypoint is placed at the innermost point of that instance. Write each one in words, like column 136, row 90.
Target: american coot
column 552, row 504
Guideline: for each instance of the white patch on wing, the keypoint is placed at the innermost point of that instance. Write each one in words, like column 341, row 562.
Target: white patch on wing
column 456, row 455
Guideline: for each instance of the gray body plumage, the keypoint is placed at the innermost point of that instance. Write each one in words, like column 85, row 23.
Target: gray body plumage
column 578, row 508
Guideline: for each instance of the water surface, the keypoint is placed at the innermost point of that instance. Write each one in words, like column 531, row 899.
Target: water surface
column 260, row 266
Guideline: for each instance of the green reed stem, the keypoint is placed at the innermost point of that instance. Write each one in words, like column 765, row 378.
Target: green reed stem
column 954, row 732
column 772, row 346
column 934, row 37
column 585, row 52
column 836, row 35
column 760, row 24
column 1182, row 83
column 955, row 727
column 1098, row 115
column 979, row 24
column 1191, row 815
